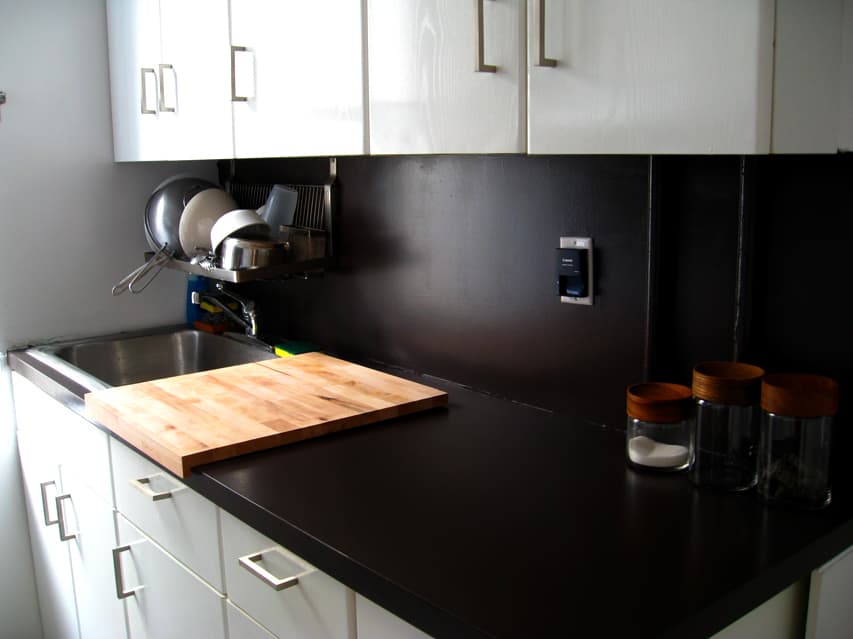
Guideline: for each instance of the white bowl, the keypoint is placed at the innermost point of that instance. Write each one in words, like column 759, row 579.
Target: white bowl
column 199, row 216
column 244, row 223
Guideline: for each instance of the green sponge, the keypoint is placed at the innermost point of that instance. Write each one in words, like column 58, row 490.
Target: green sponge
column 288, row 348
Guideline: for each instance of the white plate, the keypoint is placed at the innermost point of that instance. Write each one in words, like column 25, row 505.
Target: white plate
column 199, row 216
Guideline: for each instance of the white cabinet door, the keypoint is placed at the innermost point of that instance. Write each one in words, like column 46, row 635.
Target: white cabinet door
column 133, row 28
column 282, row 592
column 300, row 78
column 195, row 108
column 90, row 524
column 168, row 601
column 426, row 94
column 806, row 89
column 169, row 79
column 374, row 622
column 651, row 76
column 179, row 519
column 829, row 612
column 243, row 626
column 50, row 556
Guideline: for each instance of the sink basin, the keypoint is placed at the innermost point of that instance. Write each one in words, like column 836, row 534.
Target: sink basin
column 127, row 359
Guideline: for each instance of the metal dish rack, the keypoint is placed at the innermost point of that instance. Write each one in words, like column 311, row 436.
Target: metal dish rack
column 309, row 239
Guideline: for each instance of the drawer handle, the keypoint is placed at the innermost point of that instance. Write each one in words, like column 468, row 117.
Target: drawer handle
column 234, row 51
column 539, row 22
column 144, row 93
column 250, row 563
column 161, row 98
column 480, row 65
column 121, row 593
column 60, row 516
column 143, row 485
column 43, row 488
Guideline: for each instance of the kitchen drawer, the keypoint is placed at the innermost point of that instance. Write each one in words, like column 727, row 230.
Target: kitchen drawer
column 68, row 439
column 168, row 601
column 242, row 626
column 176, row 517
column 315, row 605
column 374, row 622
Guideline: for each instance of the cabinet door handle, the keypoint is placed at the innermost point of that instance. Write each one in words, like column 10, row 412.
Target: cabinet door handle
column 250, row 563
column 480, row 65
column 539, row 26
column 161, row 101
column 60, row 516
column 43, row 488
column 121, row 593
column 234, row 97
column 143, row 485
column 144, row 102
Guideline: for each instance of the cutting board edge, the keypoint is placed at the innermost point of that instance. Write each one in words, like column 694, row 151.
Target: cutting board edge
column 274, row 440
column 108, row 417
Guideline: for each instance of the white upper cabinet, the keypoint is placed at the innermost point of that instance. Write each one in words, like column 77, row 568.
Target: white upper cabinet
column 298, row 79
column 169, row 79
column 650, row 76
column 446, row 76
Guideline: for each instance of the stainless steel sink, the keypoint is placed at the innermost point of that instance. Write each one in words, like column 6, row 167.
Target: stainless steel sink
column 127, row 359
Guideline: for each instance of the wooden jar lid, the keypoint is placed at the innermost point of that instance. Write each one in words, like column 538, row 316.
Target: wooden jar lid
column 659, row 402
column 799, row 395
column 727, row 382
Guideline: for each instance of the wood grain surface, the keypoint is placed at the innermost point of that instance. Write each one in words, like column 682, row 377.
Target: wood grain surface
column 194, row 419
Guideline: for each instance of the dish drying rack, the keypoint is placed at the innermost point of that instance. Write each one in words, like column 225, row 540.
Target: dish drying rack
column 309, row 240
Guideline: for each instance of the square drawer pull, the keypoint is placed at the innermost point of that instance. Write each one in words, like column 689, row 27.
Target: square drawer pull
column 250, row 563
column 143, row 485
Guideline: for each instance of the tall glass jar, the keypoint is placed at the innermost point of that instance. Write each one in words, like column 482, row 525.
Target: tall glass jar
column 796, row 435
column 725, row 441
column 659, row 425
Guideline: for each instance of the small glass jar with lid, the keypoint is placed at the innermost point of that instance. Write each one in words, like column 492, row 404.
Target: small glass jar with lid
column 659, row 425
column 725, row 441
column 796, row 433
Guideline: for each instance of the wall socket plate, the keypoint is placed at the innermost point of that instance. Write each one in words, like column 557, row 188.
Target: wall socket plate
column 580, row 243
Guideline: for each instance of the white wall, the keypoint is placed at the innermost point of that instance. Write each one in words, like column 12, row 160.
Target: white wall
column 71, row 223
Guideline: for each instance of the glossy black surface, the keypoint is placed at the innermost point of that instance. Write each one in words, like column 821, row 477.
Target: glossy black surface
column 492, row 518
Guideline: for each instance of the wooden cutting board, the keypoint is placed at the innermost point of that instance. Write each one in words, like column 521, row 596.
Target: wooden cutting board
column 194, row 419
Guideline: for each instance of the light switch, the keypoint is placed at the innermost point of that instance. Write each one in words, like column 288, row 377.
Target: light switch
column 574, row 270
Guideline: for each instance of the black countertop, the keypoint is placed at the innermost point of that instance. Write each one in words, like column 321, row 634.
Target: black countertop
column 491, row 518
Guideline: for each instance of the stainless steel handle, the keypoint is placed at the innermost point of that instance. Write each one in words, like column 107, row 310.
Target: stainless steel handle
column 161, row 101
column 144, row 101
column 234, row 96
column 43, row 488
column 121, row 593
column 539, row 25
column 143, row 485
column 250, row 563
column 479, row 64
column 60, row 515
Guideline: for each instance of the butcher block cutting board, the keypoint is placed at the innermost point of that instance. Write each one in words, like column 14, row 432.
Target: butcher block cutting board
column 198, row 418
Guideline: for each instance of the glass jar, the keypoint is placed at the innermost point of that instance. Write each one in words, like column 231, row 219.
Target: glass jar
column 796, row 433
column 725, row 439
column 659, row 425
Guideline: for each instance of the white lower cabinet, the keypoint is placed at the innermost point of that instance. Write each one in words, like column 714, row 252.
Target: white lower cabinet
column 282, row 592
column 90, row 534
column 242, row 626
column 829, row 612
column 374, row 622
column 164, row 600
column 160, row 505
column 65, row 464
column 51, row 561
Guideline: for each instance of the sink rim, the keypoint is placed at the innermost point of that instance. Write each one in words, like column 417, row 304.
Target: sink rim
column 47, row 353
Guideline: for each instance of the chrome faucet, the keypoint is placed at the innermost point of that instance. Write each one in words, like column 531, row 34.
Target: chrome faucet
column 248, row 317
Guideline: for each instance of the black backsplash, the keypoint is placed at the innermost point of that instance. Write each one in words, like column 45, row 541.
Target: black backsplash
column 447, row 267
